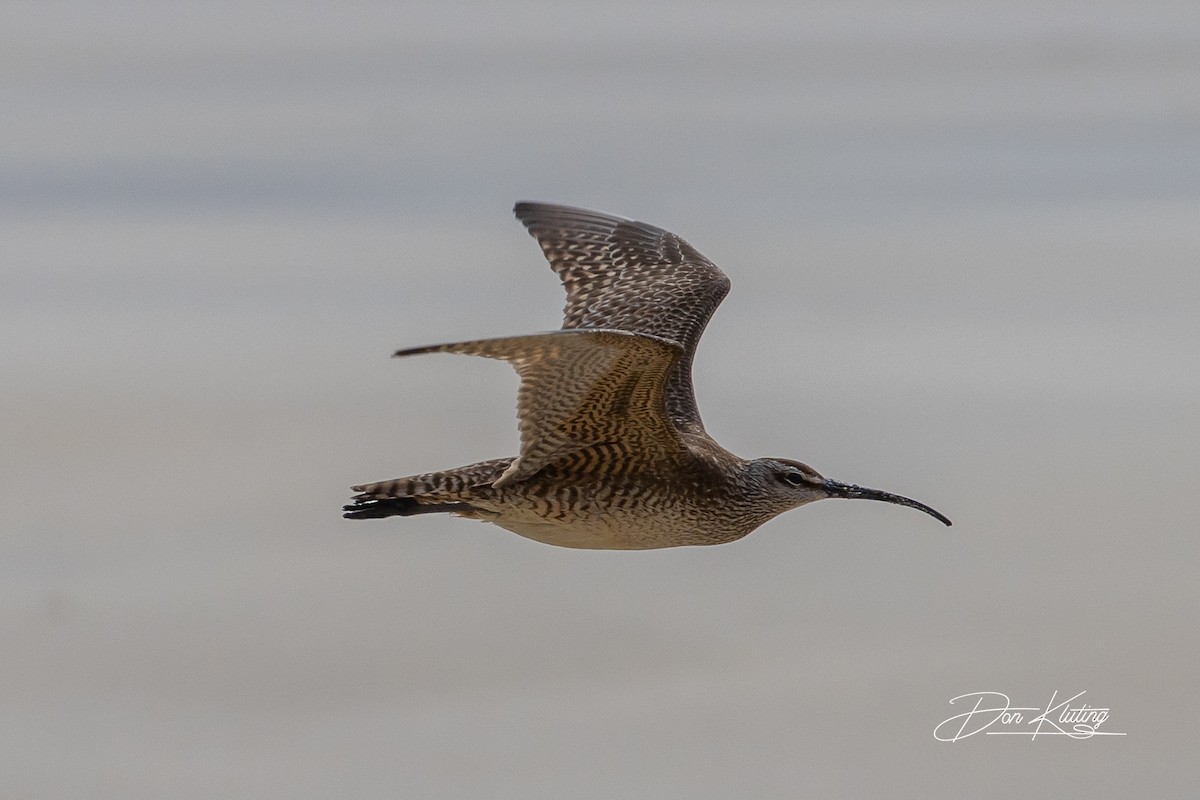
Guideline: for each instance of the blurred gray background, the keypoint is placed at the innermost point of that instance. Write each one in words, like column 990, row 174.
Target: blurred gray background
column 963, row 240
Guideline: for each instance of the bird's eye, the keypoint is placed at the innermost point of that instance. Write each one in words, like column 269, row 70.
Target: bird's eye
column 794, row 478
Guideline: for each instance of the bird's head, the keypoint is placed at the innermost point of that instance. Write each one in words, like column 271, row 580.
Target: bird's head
column 788, row 484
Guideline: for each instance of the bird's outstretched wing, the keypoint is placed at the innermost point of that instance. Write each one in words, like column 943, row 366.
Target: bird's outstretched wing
column 593, row 400
column 629, row 276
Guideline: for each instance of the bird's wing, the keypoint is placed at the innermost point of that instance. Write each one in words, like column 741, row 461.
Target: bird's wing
column 599, row 394
column 629, row 276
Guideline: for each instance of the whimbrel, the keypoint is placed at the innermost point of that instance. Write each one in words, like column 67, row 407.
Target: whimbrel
column 613, row 452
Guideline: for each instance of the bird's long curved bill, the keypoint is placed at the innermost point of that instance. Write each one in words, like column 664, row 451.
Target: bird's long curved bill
column 852, row 492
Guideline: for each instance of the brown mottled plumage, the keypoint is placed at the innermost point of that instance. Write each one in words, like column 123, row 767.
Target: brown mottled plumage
column 613, row 452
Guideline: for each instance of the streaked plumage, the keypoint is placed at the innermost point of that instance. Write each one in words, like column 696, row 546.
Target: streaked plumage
column 613, row 451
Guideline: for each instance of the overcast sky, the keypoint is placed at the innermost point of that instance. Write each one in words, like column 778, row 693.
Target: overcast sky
column 963, row 243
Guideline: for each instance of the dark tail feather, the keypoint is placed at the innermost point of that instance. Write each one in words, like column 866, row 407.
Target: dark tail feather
column 367, row 508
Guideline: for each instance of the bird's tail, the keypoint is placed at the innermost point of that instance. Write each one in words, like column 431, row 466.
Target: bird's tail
column 449, row 491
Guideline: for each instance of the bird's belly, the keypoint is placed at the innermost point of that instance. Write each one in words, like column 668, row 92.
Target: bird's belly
column 578, row 535
column 606, row 531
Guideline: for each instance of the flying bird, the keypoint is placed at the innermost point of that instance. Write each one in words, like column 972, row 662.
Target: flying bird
column 613, row 452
